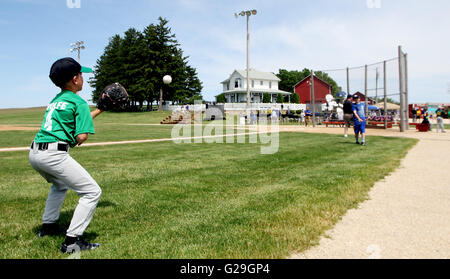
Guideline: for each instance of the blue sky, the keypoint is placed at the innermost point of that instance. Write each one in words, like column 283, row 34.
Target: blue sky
column 288, row 34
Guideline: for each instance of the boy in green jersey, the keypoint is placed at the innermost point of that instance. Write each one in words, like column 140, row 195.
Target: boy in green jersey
column 67, row 123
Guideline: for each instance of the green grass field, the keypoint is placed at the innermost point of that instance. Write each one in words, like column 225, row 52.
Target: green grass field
column 166, row 200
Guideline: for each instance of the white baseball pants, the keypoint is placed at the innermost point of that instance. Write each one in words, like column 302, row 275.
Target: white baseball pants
column 440, row 124
column 58, row 168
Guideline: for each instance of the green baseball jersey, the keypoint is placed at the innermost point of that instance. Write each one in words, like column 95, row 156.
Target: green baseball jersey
column 67, row 116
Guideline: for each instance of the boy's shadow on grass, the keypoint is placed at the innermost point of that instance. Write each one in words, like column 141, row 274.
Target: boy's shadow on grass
column 106, row 204
column 65, row 218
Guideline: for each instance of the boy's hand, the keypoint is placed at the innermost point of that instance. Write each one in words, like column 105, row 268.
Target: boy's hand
column 81, row 138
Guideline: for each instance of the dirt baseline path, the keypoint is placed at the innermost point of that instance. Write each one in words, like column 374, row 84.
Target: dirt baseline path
column 407, row 214
column 18, row 128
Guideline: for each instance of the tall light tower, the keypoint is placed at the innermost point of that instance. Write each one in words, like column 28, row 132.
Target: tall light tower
column 248, row 14
column 78, row 46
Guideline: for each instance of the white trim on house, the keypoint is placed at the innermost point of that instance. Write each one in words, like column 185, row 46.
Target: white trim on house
column 235, row 87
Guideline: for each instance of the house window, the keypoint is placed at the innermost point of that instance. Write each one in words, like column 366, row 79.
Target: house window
column 270, row 85
column 262, row 83
column 237, row 83
column 228, row 86
column 253, row 84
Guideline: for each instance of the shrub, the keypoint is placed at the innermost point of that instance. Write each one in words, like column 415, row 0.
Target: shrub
column 280, row 99
column 295, row 99
column 221, row 98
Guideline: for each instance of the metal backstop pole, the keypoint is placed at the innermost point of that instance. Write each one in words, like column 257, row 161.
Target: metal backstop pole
column 313, row 101
column 385, row 95
column 402, row 101
column 365, row 92
column 348, row 81
column 406, row 92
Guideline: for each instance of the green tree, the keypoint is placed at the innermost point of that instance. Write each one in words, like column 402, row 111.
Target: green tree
column 131, row 57
column 221, row 98
column 290, row 78
column 335, row 88
column 106, row 69
column 170, row 60
column 295, row 99
column 139, row 60
column 280, row 99
column 266, row 98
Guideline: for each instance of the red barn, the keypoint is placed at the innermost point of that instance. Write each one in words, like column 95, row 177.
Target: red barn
column 303, row 90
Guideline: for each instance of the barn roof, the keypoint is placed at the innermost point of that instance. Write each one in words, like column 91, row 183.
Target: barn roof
column 309, row 77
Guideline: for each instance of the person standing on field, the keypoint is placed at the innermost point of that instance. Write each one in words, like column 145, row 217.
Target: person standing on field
column 67, row 123
column 414, row 115
column 359, row 118
column 308, row 115
column 348, row 114
column 440, row 120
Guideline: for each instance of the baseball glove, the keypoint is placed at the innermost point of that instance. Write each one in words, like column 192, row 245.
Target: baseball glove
column 113, row 97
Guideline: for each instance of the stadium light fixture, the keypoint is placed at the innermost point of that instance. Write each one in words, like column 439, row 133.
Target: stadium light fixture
column 77, row 46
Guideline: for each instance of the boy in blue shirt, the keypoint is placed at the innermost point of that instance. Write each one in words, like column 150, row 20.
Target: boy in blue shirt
column 308, row 115
column 359, row 118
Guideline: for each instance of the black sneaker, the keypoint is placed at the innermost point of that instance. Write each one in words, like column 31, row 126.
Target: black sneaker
column 363, row 144
column 51, row 230
column 78, row 246
column 357, row 142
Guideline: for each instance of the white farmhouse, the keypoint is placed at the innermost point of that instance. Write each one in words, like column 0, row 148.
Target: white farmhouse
column 235, row 87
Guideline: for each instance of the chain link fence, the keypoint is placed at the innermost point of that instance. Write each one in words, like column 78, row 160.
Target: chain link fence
column 383, row 87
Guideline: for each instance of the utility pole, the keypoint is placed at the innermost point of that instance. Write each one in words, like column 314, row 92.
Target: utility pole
column 313, row 101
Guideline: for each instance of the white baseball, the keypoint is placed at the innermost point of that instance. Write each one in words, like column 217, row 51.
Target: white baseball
column 167, row 79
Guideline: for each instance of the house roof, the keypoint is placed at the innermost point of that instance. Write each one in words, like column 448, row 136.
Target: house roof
column 254, row 90
column 254, row 74
column 309, row 77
